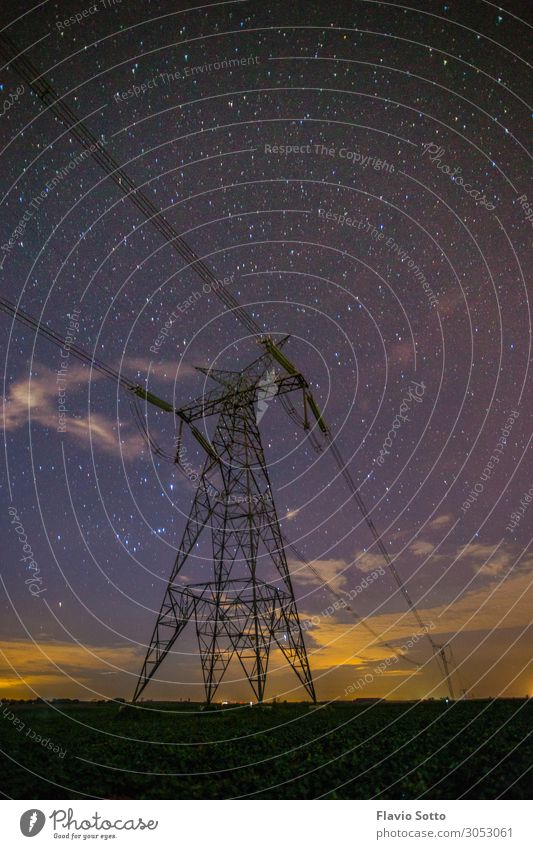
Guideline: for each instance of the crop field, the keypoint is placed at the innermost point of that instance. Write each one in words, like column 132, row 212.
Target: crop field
column 432, row 750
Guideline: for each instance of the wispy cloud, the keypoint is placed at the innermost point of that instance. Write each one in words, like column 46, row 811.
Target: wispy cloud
column 368, row 561
column 441, row 521
column 170, row 371
column 488, row 559
column 421, row 547
column 290, row 514
column 331, row 572
column 37, row 397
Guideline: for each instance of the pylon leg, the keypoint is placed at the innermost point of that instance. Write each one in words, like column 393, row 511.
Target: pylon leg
column 291, row 643
column 176, row 607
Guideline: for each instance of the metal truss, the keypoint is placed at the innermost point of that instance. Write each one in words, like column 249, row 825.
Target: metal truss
column 248, row 607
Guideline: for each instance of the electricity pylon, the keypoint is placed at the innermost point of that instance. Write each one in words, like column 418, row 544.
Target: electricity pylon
column 248, row 607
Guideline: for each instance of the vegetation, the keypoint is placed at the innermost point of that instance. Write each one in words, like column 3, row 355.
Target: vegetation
column 434, row 750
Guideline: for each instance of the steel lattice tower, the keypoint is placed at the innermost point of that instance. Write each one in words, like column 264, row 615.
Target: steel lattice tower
column 248, row 607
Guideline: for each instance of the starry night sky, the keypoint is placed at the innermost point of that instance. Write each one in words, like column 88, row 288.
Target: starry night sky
column 389, row 105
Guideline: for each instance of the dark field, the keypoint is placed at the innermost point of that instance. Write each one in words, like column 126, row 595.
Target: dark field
column 472, row 749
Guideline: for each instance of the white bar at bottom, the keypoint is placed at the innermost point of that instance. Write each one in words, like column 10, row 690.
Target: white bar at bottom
column 267, row 824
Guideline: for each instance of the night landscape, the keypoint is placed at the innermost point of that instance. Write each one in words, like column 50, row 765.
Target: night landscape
column 266, row 400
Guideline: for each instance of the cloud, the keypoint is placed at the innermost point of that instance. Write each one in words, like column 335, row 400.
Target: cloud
column 38, row 397
column 367, row 561
column 488, row 559
column 350, row 644
column 45, row 667
column 441, row 521
column 500, row 605
column 330, row 571
column 421, row 547
column 166, row 370
column 338, row 573
column 509, row 599
column 290, row 514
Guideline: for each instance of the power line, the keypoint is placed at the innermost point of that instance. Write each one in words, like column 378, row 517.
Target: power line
column 11, row 309
column 52, row 100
